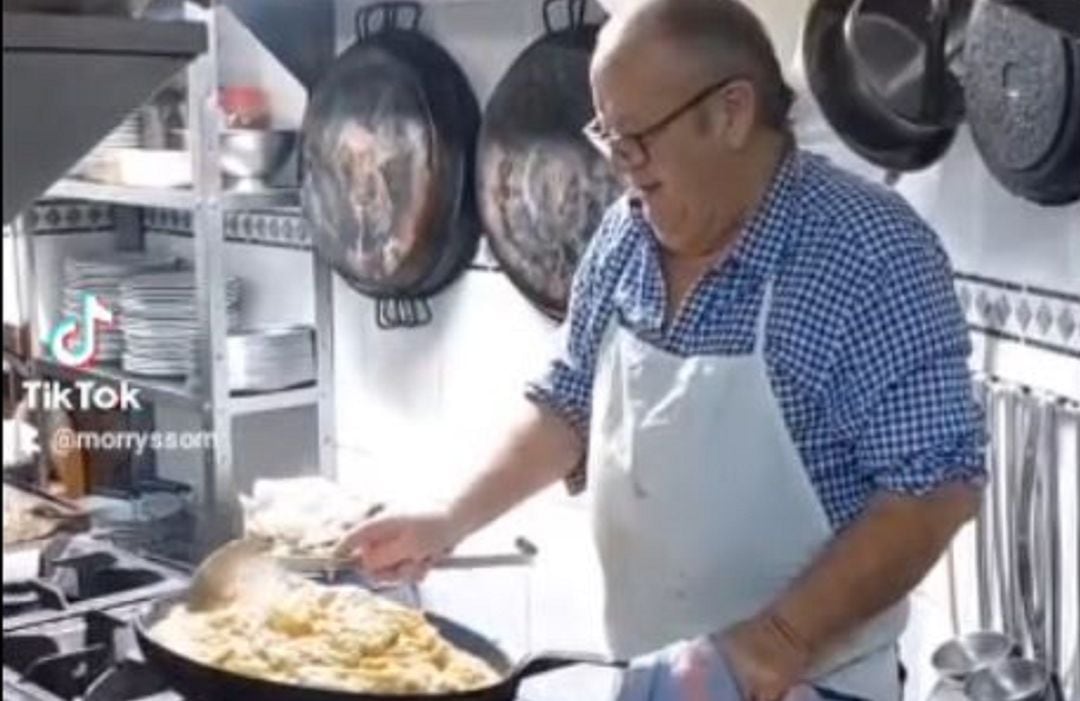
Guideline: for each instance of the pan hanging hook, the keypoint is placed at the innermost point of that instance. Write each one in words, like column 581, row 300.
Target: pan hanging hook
column 387, row 16
column 575, row 14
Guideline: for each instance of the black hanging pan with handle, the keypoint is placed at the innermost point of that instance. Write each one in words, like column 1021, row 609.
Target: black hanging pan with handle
column 880, row 70
column 200, row 681
column 389, row 141
column 542, row 188
column 1022, row 89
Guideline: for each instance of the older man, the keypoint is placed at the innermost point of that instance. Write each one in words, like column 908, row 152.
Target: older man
column 764, row 383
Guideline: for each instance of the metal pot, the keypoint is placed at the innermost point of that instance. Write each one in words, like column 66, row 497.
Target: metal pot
column 1010, row 680
column 249, row 153
column 960, row 658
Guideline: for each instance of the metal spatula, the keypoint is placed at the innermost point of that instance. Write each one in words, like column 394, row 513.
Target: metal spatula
column 240, row 566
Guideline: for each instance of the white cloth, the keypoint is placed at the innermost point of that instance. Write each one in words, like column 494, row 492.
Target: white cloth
column 703, row 511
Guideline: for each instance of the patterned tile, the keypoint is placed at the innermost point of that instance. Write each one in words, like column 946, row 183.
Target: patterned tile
column 1049, row 319
column 261, row 228
column 69, row 217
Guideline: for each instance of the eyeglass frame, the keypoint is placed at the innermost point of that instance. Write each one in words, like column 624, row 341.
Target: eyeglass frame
column 607, row 142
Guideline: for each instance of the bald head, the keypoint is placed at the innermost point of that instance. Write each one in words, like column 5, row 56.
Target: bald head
column 706, row 40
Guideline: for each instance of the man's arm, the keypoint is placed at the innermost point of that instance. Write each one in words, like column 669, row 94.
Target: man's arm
column 902, row 399
column 867, row 568
column 874, row 563
column 542, row 449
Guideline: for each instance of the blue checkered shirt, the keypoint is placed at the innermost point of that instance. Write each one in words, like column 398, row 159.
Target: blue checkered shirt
column 865, row 343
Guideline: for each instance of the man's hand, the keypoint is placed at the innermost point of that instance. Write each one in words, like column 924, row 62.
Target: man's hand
column 695, row 670
column 400, row 547
column 768, row 659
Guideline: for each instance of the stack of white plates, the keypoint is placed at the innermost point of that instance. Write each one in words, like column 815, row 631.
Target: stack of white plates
column 127, row 135
column 160, row 322
column 271, row 358
column 101, row 276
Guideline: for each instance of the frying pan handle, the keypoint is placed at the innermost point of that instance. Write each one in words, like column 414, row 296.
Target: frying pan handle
column 386, row 314
column 936, row 65
column 544, row 662
column 402, row 313
column 386, row 16
column 575, row 14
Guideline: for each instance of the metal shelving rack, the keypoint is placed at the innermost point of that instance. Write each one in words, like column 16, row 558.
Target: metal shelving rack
column 207, row 392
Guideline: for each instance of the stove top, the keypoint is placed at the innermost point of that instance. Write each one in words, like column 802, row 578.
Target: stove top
column 91, row 655
column 67, row 633
column 80, row 574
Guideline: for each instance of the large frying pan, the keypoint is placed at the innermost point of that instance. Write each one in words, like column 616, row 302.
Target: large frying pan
column 542, row 188
column 1023, row 100
column 198, row 681
column 389, row 140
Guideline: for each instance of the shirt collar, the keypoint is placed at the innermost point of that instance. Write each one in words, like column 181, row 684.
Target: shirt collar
column 766, row 233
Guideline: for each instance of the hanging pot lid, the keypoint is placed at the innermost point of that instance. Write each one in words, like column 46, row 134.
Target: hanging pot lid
column 542, row 187
column 1022, row 89
column 1063, row 15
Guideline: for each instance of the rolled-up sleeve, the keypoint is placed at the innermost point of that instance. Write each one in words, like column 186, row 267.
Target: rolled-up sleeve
column 565, row 386
column 911, row 401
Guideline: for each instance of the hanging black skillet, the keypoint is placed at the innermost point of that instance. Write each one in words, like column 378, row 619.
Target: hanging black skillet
column 1022, row 89
column 880, row 71
column 542, row 188
column 389, row 141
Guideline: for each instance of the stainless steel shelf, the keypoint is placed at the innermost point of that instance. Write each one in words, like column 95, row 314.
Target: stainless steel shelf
column 59, row 65
column 177, row 392
column 241, row 405
column 170, row 198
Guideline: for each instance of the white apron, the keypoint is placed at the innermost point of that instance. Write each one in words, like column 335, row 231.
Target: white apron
column 703, row 511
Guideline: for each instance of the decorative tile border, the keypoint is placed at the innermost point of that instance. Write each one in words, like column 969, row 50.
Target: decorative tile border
column 1046, row 319
column 1042, row 318
column 69, row 217
column 262, row 228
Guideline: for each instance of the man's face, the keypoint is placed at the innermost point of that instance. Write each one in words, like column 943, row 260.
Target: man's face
column 684, row 179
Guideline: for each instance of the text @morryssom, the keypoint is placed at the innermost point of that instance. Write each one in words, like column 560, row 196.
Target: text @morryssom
column 64, row 441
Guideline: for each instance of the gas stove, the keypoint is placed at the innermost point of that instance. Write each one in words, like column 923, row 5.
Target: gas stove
column 67, row 632
column 82, row 573
column 92, row 656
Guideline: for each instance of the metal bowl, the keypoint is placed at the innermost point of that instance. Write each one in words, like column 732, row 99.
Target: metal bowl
column 249, row 153
column 1009, row 680
column 961, row 657
column 252, row 153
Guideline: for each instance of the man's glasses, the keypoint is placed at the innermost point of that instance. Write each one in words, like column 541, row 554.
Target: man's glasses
column 631, row 150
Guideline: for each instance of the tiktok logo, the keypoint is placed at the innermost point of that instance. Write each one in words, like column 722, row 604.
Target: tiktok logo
column 73, row 341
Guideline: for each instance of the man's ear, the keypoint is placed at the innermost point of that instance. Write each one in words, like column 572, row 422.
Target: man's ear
column 740, row 104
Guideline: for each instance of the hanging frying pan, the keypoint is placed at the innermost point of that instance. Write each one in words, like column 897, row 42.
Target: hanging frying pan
column 542, row 188
column 879, row 70
column 389, row 139
column 1023, row 101
column 196, row 680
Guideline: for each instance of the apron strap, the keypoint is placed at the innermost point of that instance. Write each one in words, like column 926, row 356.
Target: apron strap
column 763, row 317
